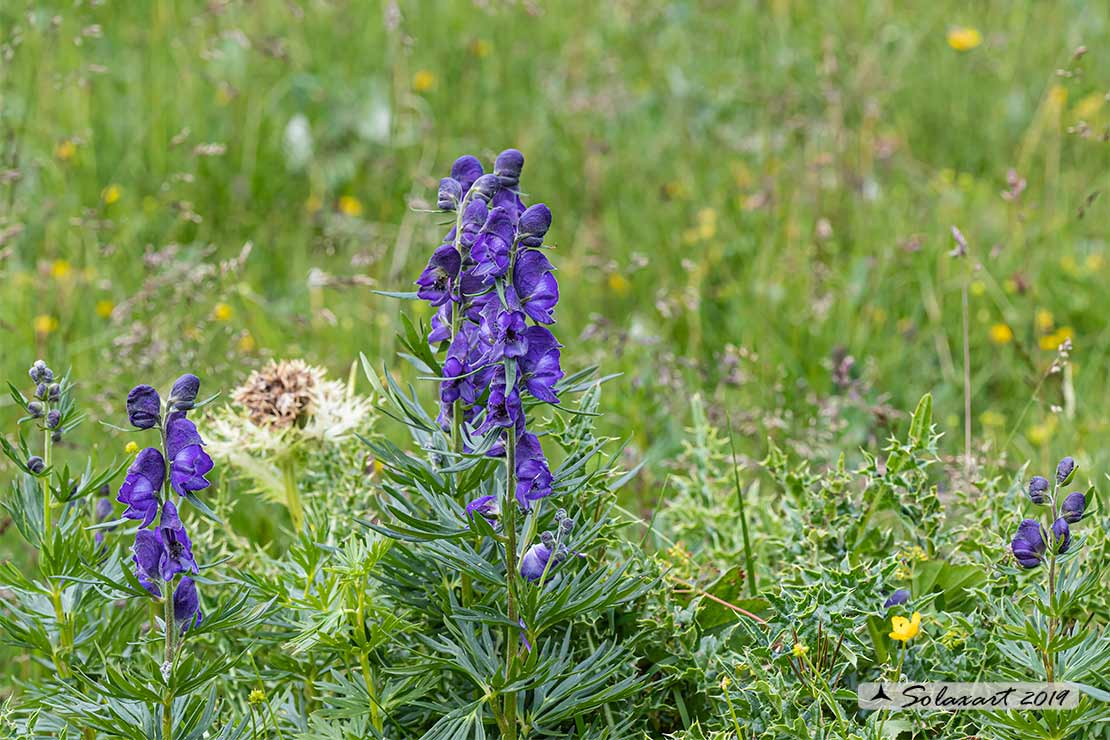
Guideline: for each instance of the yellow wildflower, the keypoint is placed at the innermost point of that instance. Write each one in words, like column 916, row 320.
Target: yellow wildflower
column 61, row 269
column 104, row 308
column 222, row 312
column 111, row 194
column 423, row 81
column 1044, row 320
column 45, row 323
column 350, row 205
column 964, row 38
column 977, row 288
column 247, row 343
column 257, row 696
column 480, row 48
column 799, row 650
column 65, row 150
column 903, row 629
column 1040, row 434
column 131, row 448
column 1001, row 334
column 619, row 284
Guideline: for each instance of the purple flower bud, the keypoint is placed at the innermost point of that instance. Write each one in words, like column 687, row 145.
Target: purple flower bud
column 485, row 186
column 36, row 464
column 450, row 193
column 1065, row 471
column 54, row 391
column 37, row 371
column 534, row 223
column 144, row 407
column 1028, row 545
column 35, row 409
column 186, row 604
column 41, row 391
column 1038, row 489
column 146, row 554
column 47, row 375
column 183, row 395
column 1073, row 507
column 901, row 596
column 466, row 170
column 507, row 167
column 53, row 419
column 1061, row 533
column 104, row 509
column 534, row 562
column 56, row 436
column 485, row 506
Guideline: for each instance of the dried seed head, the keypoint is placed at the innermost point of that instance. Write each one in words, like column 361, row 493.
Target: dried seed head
column 279, row 395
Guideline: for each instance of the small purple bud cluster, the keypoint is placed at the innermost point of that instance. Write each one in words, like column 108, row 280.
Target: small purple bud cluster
column 1034, row 541
column 494, row 290
column 162, row 553
column 48, row 392
column 548, row 552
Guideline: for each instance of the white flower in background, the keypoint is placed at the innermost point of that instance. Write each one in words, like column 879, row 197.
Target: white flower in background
column 282, row 411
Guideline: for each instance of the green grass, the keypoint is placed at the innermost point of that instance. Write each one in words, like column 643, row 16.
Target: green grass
column 749, row 174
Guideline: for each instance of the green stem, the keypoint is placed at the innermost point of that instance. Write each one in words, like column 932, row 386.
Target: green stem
column 292, row 493
column 364, row 662
column 508, row 510
column 167, row 665
column 47, row 503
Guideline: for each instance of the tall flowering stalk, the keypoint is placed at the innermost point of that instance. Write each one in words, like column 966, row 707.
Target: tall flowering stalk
column 162, row 552
column 495, row 291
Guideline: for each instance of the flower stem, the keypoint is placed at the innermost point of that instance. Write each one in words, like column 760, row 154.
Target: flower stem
column 47, row 503
column 292, row 493
column 364, row 662
column 167, row 665
column 509, row 512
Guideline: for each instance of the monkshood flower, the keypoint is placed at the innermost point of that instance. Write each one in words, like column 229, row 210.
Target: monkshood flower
column 1073, row 507
column 532, row 473
column 147, row 554
column 466, row 170
column 1065, row 471
column 899, row 597
column 507, row 168
column 438, row 279
column 450, row 193
column 533, row 226
column 493, row 247
column 177, row 548
column 505, row 334
column 141, row 486
column 186, row 604
column 1038, row 489
column 183, row 395
column 535, row 560
column 536, row 288
column 540, row 364
column 1028, row 545
column 36, row 464
column 1061, row 533
column 188, row 460
column 144, row 407
column 486, row 507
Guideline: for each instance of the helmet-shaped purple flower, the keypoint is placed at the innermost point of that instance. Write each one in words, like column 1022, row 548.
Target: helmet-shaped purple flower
column 899, row 597
column 146, row 554
column 141, row 486
column 438, row 279
column 540, row 364
column 1073, row 507
column 144, row 407
column 183, row 395
column 1065, row 471
column 449, row 195
column 534, row 561
column 1028, row 545
column 1038, row 489
column 485, row 187
column 492, row 248
column 532, row 472
column 466, row 170
column 536, row 286
column 188, row 461
column 177, row 549
column 486, row 507
column 534, row 224
column 1061, row 535
column 186, row 604
column 507, row 167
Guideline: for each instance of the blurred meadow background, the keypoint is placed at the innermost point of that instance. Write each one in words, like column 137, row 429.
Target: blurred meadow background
column 753, row 202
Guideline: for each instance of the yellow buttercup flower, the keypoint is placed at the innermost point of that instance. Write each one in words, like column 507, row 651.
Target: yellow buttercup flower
column 1044, row 320
column 1050, row 342
column 423, row 81
column 350, row 205
column 619, row 284
column 65, row 150
column 222, row 312
column 104, row 308
column 131, row 448
column 1001, row 334
column 45, row 324
column 247, row 343
column 111, row 194
column 964, row 38
column 799, row 650
column 61, row 269
column 903, row 629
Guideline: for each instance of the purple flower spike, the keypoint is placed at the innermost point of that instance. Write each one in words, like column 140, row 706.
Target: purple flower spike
column 899, row 597
column 536, row 285
column 144, row 407
column 141, row 485
column 1028, row 545
column 540, row 365
column 438, row 279
column 177, row 549
column 532, row 472
column 493, row 245
column 507, row 167
column 188, row 461
column 1061, row 533
column 466, row 170
column 534, row 562
column 486, row 507
column 1073, row 507
column 534, row 223
column 186, row 604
